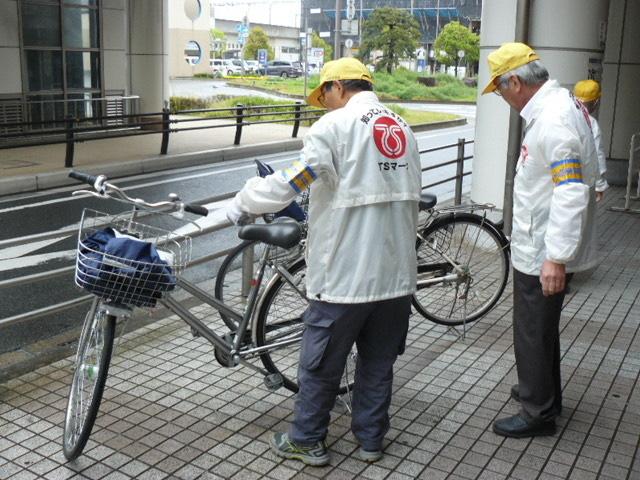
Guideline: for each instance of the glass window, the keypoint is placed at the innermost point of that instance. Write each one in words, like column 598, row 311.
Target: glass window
column 44, row 69
column 40, row 25
column 42, row 108
column 80, row 27
column 192, row 53
column 83, row 105
column 89, row 3
column 83, row 69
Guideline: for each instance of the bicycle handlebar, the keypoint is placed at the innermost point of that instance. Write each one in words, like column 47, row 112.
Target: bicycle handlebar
column 104, row 189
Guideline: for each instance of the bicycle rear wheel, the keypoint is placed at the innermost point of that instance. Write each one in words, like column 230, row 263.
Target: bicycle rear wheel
column 280, row 318
column 91, row 370
column 474, row 255
column 238, row 268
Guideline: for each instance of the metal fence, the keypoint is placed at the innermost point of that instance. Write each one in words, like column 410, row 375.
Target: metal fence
column 73, row 129
column 634, row 149
column 458, row 161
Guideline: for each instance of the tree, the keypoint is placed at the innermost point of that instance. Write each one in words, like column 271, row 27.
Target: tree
column 257, row 40
column 317, row 42
column 393, row 31
column 453, row 38
column 217, row 42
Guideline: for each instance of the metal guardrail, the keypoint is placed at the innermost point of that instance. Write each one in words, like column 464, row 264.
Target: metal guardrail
column 633, row 150
column 72, row 130
column 62, row 306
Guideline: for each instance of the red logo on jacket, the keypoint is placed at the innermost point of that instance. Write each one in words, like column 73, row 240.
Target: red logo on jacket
column 389, row 137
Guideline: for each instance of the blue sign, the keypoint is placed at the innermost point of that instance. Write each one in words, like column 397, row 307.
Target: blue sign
column 262, row 56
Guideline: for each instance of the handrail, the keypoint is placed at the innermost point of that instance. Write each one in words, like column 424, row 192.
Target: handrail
column 28, row 279
column 633, row 149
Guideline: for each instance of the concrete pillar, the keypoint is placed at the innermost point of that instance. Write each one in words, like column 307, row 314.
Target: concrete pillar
column 567, row 36
column 115, row 67
column 10, row 78
column 620, row 102
column 149, row 53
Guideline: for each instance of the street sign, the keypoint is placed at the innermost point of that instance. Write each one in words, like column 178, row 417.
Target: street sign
column 351, row 9
column 460, row 53
column 262, row 56
column 324, row 34
column 315, row 10
column 348, row 43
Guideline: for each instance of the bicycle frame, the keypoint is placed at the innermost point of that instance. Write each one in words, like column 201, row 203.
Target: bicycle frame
column 235, row 350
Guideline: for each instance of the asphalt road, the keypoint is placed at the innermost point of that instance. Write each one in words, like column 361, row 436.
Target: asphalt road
column 26, row 217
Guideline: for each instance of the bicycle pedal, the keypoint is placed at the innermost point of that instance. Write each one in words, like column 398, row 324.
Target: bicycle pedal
column 273, row 381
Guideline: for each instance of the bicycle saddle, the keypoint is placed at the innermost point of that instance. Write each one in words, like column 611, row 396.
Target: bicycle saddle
column 427, row 201
column 285, row 234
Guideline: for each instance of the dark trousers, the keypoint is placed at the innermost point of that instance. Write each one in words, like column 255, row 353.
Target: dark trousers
column 379, row 330
column 536, row 339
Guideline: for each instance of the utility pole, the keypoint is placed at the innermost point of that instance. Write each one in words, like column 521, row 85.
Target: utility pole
column 337, row 51
column 305, row 22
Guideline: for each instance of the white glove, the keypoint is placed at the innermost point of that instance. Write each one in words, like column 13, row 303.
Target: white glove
column 237, row 216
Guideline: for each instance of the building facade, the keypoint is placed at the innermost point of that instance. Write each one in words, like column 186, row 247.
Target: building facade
column 432, row 16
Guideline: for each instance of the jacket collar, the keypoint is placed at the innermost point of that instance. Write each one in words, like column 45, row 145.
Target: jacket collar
column 534, row 106
column 363, row 97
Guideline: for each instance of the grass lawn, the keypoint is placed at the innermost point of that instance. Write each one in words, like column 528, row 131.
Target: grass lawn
column 413, row 117
column 400, row 85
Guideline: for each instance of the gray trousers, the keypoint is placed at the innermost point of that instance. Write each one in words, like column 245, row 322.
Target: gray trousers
column 379, row 330
column 536, row 339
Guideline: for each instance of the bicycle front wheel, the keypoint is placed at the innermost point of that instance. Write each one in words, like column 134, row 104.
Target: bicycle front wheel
column 280, row 319
column 463, row 266
column 91, row 370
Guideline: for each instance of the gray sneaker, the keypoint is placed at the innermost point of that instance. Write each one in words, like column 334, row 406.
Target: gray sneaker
column 369, row 455
column 315, row 455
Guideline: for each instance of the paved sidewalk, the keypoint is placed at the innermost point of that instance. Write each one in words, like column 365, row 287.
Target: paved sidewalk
column 171, row 412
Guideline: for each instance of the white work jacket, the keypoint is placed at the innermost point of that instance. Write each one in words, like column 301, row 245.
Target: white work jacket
column 365, row 168
column 601, row 182
column 554, row 194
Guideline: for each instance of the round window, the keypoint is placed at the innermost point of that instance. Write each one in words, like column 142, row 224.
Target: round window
column 192, row 9
column 192, row 53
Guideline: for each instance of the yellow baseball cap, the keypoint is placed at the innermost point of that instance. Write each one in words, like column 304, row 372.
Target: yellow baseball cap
column 506, row 58
column 347, row 68
column 587, row 90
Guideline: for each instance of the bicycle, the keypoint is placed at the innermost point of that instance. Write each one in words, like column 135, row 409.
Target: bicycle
column 463, row 264
column 269, row 328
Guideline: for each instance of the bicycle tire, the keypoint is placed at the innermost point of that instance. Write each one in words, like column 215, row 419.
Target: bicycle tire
column 480, row 249
column 280, row 316
column 94, row 349
column 228, row 284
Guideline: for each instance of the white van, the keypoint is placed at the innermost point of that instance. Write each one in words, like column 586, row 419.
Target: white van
column 225, row 66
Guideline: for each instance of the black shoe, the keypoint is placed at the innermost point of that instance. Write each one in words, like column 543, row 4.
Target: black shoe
column 515, row 393
column 518, row 427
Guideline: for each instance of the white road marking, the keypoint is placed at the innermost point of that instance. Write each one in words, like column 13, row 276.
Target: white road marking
column 20, row 250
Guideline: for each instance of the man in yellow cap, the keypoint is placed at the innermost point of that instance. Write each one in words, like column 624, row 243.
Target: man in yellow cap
column 363, row 162
column 553, row 227
column 588, row 92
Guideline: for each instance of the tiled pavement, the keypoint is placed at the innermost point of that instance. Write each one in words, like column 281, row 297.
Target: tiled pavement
column 171, row 412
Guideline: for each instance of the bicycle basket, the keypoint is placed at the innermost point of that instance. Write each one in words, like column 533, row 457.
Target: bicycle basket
column 126, row 262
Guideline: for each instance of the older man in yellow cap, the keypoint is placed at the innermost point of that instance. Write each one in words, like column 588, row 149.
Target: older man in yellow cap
column 363, row 162
column 553, row 227
column 588, row 92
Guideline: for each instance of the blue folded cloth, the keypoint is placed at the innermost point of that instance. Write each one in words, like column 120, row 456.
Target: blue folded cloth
column 122, row 269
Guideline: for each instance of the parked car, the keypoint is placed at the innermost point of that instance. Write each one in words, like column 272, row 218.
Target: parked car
column 280, row 68
column 226, row 66
column 251, row 66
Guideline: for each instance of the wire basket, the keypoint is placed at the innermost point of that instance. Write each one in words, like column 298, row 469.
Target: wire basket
column 125, row 262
